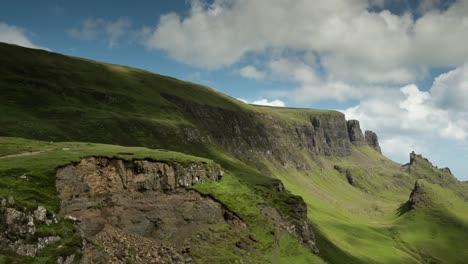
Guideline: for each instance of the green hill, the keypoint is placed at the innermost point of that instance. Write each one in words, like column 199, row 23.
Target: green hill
column 298, row 185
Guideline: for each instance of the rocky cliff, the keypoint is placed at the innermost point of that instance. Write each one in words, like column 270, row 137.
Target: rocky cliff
column 140, row 207
column 251, row 135
column 145, row 211
column 422, row 168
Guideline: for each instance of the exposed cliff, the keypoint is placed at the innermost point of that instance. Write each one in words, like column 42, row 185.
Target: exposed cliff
column 422, row 168
column 141, row 108
column 141, row 198
column 372, row 140
column 355, row 134
column 145, row 211
column 253, row 135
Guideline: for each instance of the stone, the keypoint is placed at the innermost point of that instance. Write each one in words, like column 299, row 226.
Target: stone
column 355, row 134
column 40, row 214
column 43, row 242
column 372, row 140
column 27, row 250
column 71, row 218
column 12, row 216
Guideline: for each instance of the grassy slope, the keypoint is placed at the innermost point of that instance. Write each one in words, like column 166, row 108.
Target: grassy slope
column 354, row 224
column 41, row 159
column 46, row 90
column 367, row 223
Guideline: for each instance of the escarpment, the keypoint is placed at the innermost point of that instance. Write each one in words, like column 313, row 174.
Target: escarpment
column 355, row 134
column 251, row 135
column 144, row 205
column 422, row 168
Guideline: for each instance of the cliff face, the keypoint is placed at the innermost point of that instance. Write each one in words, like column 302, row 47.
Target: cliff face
column 144, row 205
column 150, row 207
column 250, row 135
column 145, row 109
column 355, row 134
column 372, row 140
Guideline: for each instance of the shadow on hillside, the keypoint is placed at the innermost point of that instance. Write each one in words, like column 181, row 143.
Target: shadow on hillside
column 403, row 208
column 331, row 253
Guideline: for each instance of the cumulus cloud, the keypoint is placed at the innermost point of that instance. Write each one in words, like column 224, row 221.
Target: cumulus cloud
column 410, row 118
column 116, row 30
column 354, row 44
column 250, row 72
column 93, row 28
column 277, row 103
column 16, row 35
column 266, row 102
column 451, row 89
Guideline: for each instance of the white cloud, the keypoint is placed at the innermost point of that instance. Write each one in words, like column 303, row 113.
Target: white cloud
column 353, row 43
column 250, row 72
column 277, row 103
column 398, row 147
column 116, row 30
column 266, row 102
column 312, row 87
column 93, row 28
column 16, row 35
column 451, row 89
column 411, row 119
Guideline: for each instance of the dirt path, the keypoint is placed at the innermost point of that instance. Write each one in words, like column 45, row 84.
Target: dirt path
column 22, row 154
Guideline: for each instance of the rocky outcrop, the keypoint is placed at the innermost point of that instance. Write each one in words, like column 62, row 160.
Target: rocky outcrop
column 355, row 134
column 141, row 210
column 296, row 224
column 348, row 174
column 422, row 168
column 418, row 197
column 372, row 140
column 95, row 176
column 18, row 229
column 302, row 227
column 251, row 135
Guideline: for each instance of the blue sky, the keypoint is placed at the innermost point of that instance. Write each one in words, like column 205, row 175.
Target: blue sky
column 397, row 66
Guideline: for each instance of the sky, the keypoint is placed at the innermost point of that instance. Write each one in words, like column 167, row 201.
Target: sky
column 400, row 67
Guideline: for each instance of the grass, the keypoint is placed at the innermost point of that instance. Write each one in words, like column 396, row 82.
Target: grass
column 37, row 161
column 38, row 185
column 52, row 97
column 361, row 224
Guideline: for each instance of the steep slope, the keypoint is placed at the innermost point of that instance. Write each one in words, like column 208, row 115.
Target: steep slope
column 355, row 198
column 124, row 203
column 46, row 90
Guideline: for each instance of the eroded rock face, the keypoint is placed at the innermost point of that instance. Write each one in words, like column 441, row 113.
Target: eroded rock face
column 96, row 176
column 418, row 196
column 250, row 135
column 296, row 224
column 355, row 134
column 142, row 203
column 372, row 140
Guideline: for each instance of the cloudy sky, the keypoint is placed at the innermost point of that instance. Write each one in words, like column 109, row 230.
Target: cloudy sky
column 400, row 67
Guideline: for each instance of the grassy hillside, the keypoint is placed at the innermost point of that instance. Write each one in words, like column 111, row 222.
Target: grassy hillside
column 369, row 222
column 358, row 203
column 27, row 172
